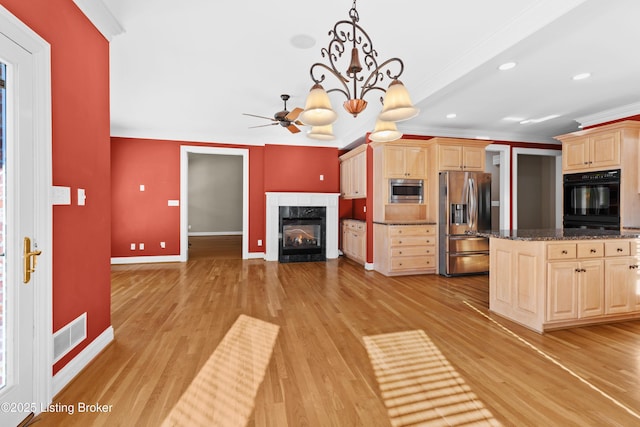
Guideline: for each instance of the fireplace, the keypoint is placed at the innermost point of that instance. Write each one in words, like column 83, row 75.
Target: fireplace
column 302, row 235
column 329, row 201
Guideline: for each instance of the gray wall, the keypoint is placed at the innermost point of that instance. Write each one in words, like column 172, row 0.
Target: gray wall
column 536, row 192
column 215, row 194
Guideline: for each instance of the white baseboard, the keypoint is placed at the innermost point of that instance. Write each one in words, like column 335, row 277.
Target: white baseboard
column 255, row 255
column 78, row 363
column 368, row 266
column 215, row 233
column 145, row 259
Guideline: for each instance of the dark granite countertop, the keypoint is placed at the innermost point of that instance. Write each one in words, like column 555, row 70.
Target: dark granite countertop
column 405, row 222
column 559, row 234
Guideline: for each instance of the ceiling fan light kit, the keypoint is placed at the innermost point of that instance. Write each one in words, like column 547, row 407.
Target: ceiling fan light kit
column 397, row 103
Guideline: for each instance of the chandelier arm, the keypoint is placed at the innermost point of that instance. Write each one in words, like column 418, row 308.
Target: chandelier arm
column 336, row 74
column 377, row 76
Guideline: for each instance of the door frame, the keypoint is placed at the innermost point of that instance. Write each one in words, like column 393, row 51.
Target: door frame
column 184, row 193
column 558, row 166
column 505, row 183
column 40, row 51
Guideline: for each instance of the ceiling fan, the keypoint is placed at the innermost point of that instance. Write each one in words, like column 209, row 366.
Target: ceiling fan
column 283, row 118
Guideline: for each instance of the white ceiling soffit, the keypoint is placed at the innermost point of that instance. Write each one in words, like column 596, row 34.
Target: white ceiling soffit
column 101, row 17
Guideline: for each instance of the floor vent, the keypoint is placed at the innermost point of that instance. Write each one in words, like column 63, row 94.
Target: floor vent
column 69, row 336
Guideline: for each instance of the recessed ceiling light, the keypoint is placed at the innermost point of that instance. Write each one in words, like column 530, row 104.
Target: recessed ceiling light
column 506, row 66
column 581, row 76
column 452, row 116
column 303, row 41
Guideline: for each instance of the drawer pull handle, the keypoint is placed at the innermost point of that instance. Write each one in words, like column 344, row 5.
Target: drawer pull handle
column 619, row 249
column 400, row 253
column 593, row 251
column 400, row 241
column 633, row 266
column 564, row 252
column 577, row 270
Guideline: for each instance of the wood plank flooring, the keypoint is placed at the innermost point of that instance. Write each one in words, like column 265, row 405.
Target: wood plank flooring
column 170, row 318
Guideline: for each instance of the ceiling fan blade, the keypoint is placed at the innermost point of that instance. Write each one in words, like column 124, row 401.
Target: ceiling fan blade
column 261, row 117
column 293, row 128
column 261, row 126
column 294, row 114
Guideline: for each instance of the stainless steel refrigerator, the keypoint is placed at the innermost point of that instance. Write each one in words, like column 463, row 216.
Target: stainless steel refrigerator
column 465, row 204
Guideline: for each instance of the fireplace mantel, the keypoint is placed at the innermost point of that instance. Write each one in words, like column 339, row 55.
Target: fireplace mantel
column 275, row 200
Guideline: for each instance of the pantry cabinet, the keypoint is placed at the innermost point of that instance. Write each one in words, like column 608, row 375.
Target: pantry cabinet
column 353, row 173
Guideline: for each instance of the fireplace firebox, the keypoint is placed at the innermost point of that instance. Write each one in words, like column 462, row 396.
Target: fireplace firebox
column 302, row 235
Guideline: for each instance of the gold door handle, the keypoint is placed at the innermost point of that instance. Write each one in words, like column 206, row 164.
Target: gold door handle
column 29, row 260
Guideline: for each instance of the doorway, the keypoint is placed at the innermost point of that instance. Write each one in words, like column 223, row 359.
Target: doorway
column 498, row 163
column 537, row 192
column 26, row 308
column 193, row 152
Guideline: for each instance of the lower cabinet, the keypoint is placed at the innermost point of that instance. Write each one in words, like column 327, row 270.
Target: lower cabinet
column 354, row 240
column 404, row 249
column 551, row 285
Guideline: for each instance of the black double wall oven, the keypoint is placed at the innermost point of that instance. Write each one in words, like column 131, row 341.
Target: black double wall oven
column 592, row 200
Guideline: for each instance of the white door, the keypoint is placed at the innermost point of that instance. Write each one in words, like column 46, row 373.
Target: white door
column 17, row 216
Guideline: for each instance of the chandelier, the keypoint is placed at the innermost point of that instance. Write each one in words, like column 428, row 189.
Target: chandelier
column 349, row 35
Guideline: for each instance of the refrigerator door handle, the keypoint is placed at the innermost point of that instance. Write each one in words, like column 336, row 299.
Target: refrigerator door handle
column 473, row 195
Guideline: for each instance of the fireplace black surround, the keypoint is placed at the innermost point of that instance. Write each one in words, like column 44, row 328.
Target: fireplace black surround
column 302, row 234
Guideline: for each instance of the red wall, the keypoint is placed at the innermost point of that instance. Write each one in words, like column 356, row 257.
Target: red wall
column 145, row 217
column 80, row 123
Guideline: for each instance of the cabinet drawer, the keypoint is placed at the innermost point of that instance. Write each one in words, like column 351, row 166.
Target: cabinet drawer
column 413, row 250
column 413, row 262
column 614, row 248
column 561, row 251
column 590, row 250
column 413, row 240
column 412, row 230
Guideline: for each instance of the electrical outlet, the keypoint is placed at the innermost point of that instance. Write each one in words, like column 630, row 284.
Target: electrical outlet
column 163, row 245
column 321, row 177
column 141, row 246
column 259, row 242
column 133, row 246
column 141, row 187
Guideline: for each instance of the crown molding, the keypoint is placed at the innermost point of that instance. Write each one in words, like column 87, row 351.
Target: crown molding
column 101, row 17
column 473, row 133
column 610, row 115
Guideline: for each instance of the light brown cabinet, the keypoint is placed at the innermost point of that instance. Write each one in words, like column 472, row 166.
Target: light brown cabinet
column 353, row 173
column 596, row 152
column 461, row 157
column 354, row 240
column 586, row 281
column 408, row 162
column 404, row 249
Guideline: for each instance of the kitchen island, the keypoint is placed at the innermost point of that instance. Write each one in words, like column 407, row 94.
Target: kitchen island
column 553, row 279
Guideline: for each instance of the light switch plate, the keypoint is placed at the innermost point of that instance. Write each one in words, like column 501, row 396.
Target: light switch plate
column 82, row 197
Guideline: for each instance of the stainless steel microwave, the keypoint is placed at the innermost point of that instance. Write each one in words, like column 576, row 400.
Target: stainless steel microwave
column 406, row 191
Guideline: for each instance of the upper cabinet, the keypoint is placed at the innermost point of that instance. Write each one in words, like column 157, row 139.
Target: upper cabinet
column 408, row 162
column 353, row 173
column 592, row 152
column 461, row 157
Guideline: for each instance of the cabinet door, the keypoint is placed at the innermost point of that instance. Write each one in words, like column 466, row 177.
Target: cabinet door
column 562, row 291
column 346, row 178
column 359, row 176
column 591, row 288
column 575, row 154
column 394, row 162
column 473, row 159
column 450, row 157
column 415, row 162
column 621, row 282
column 605, row 150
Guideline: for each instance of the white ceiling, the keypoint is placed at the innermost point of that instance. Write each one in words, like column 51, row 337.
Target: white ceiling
column 188, row 70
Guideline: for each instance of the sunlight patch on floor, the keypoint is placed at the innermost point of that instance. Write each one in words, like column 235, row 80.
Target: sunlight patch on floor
column 223, row 393
column 418, row 384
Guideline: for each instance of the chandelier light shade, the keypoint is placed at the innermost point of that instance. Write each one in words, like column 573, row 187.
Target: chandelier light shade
column 317, row 109
column 323, row 133
column 385, row 132
column 397, row 104
column 349, row 38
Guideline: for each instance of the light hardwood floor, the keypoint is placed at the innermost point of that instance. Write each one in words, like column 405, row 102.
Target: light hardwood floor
column 170, row 318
